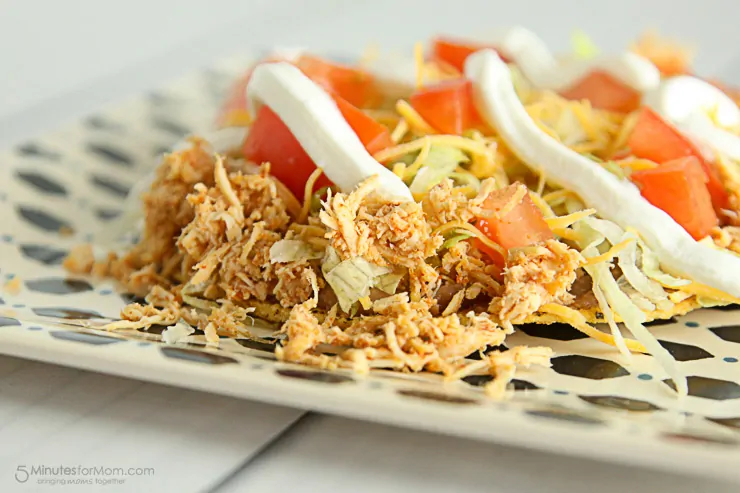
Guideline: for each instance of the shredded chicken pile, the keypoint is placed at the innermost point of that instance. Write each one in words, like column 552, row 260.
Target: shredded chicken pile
column 727, row 237
column 205, row 255
column 384, row 233
column 536, row 276
column 404, row 335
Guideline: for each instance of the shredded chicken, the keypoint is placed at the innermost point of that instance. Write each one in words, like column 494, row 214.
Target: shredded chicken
column 503, row 365
column 383, row 232
column 729, row 172
column 416, row 283
column 13, row 286
column 727, row 237
column 535, row 276
column 204, row 256
column 80, row 259
column 403, row 335
column 467, row 266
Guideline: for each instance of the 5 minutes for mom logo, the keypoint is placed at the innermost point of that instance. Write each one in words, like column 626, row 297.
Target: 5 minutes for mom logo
column 61, row 474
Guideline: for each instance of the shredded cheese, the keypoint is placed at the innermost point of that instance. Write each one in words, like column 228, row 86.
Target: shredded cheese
column 610, row 254
column 557, row 196
column 636, row 164
column 542, row 205
column 567, row 233
column 562, row 222
column 365, row 302
column 236, row 118
column 578, row 321
column 515, row 200
column 462, row 143
column 475, row 231
column 399, row 169
column 625, row 130
column 541, row 182
column 580, row 110
column 308, row 193
column 419, row 61
column 705, row 291
column 423, row 154
column 413, row 119
column 402, row 127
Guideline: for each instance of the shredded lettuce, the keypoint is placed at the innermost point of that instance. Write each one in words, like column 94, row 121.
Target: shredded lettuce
column 610, row 166
column 388, row 283
column 632, row 316
column 291, row 250
column 705, row 302
column 522, row 86
column 439, row 164
column 353, row 278
column 316, row 199
column 466, row 178
column 590, row 240
column 628, row 263
column 583, row 47
column 200, row 303
column 651, row 268
column 634, row 319
column 331, row 260
column 455, row 239
column 639, row 300
column 569, row 128
column 177, row 332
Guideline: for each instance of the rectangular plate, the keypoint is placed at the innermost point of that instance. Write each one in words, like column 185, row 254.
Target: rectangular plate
column 593, row 402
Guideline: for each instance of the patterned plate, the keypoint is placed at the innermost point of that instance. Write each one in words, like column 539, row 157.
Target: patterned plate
column 593, row 401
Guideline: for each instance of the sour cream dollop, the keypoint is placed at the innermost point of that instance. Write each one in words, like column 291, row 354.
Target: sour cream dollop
column 316, row 122
column 686, row 102
column 531, row 54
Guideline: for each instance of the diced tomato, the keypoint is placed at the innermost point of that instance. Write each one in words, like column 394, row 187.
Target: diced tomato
column 454, row 52
column 522, row 226
column 374, row 136
column 270, row 140
column 678, row 188
column 447, row 106
column 356, row 86
column 657, row 140
column 604, row 92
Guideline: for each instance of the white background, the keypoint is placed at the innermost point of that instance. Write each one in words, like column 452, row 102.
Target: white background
column 60, row 59
column 94, row 52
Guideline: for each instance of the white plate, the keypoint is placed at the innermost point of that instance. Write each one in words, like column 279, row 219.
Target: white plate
column 591, row 403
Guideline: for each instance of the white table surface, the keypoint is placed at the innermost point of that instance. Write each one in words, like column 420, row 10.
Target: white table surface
column 61, row 60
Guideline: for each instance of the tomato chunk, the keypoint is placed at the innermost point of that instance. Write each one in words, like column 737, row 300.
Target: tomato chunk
column 522, row 226
column 373, row 135
column 604, row 92
column 454, row 52
column 657, row 140
column 447, row 106
column 356, row 86
column 270, row 140
column 678, row 188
